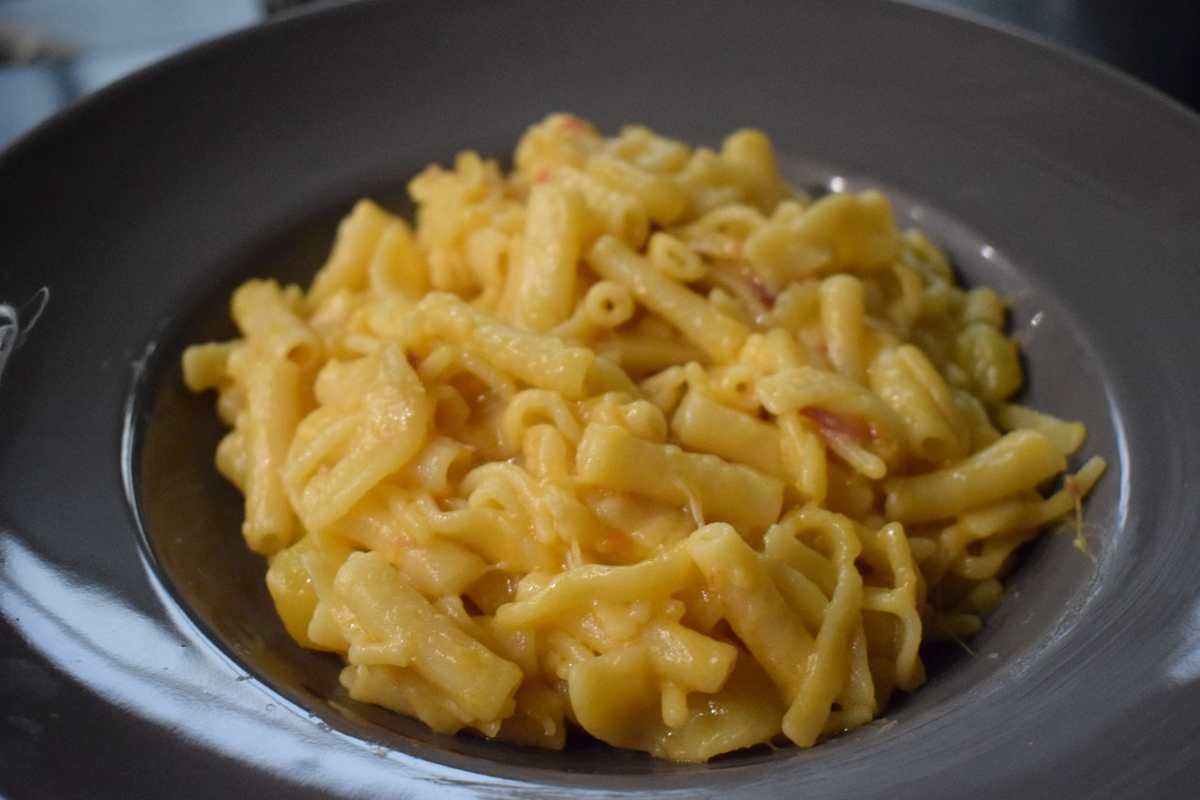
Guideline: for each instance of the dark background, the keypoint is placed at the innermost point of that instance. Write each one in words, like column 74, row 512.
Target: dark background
column 1157, row 41
column 53, row 51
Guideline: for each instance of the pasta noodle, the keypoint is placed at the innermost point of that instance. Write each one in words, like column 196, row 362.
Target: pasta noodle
column 636, row 438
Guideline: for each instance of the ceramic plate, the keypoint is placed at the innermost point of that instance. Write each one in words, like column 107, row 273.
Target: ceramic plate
column 138, row 650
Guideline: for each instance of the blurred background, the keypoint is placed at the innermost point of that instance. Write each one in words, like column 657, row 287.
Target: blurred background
column 54, row 51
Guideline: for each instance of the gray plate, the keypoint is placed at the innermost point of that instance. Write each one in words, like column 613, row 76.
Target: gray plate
column 138, row 651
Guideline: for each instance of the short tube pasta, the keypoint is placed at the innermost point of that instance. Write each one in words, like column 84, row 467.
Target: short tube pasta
column 1015, row 463
column 608, row 305
column 538, row 360
column 842, row 315
column 542, row 283
column 633, row 438
column 611, row 457
column 704, row 425
column 713, row 332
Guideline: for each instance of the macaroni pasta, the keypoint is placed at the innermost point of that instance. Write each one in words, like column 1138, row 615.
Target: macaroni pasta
column 635, row 438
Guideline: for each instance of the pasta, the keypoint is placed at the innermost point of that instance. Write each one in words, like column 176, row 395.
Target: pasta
column 635, row 438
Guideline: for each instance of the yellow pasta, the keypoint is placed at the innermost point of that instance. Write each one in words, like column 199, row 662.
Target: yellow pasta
column 205, row 366
column 713, row 332
column 263, row 313
column 933, row 424
column 842, row 316
column 664, row 200
column 838, row 232
column 267, row 426
column 542, row 283
column 347, row 267
column 611, row 457
column 675, row 259
column 634, row 438
column 1066, row 436
column 702, row 424
column 1018, row 462
column 537, row 360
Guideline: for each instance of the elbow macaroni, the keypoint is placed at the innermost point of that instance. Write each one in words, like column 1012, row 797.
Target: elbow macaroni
column 635, row 438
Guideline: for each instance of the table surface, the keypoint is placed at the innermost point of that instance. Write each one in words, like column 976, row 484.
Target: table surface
column 54, row 51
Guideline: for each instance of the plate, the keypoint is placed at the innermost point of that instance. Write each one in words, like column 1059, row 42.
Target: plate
column 137, row 652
